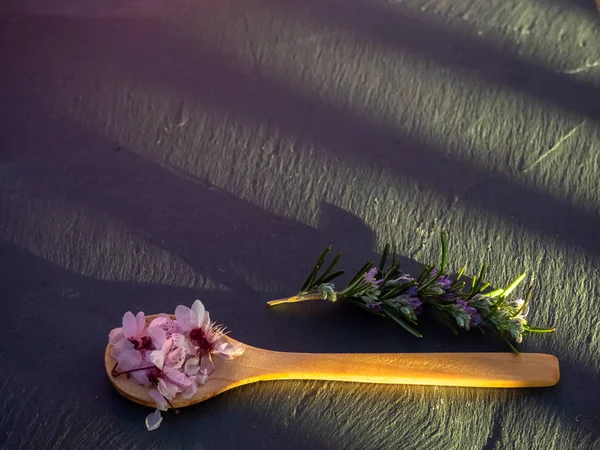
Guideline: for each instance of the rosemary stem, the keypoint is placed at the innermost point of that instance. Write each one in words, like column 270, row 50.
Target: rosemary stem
column 295, row 299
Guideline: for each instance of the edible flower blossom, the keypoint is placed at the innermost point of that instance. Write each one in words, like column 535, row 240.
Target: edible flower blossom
column 370, row 277
column 466, row 315
column 511, row 318
column 444, row 282
column 172, row 357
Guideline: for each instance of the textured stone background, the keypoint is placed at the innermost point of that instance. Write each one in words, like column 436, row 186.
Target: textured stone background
column 158, row 151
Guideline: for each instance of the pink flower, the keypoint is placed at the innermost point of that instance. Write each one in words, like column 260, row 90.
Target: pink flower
column 133, row 327
column 191, row 319
column 134, row 335
column 127, row 342
column 196, row 324
column 131, row 344
column 206, row 335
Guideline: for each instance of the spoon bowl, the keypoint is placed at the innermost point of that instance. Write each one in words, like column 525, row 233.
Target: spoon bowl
column 487, row 370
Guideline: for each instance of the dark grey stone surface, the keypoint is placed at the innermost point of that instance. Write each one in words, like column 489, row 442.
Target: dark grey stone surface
column 155, row 152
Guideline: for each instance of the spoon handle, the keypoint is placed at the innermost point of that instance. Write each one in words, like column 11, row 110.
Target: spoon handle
column 493, row 370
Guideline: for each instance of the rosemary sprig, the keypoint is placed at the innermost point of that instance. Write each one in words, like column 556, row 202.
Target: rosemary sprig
column 385, row 291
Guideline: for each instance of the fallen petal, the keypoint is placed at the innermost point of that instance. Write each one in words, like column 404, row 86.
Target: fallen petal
column 226, row 350
column 153, row 420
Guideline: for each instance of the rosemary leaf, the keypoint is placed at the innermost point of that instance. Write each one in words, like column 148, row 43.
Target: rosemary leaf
column 384, row 257
column 330, row 277
column 311, row 277
column 401, row 322
column 513, row 285
column 331, row 266
column 444, row 251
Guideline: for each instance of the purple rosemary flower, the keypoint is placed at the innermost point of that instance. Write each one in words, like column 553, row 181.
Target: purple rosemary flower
column 444, row 282
column 413, row 301
column 465, row 315
column 406, row 278
column 370, row 277
column 373, row 305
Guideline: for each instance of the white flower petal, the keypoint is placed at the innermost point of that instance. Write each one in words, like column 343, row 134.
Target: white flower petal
column 201, row 379
column 192, row 366
column 153, row 420
column 226, row 350
column 157, row 357
column 187, row 345
column 197, row 314
column 206, row 364
column 167, row 389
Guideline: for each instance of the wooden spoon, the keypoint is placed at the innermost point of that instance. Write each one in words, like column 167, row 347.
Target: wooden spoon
column 491, row 370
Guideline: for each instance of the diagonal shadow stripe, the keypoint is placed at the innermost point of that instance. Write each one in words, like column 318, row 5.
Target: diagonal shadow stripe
column 390, row 25
column 218, row 81
column 582, row 5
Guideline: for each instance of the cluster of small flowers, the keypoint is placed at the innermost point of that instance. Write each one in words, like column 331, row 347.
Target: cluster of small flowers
column 384, row 290
column 407, row 303
column 508, row 316
column 174, row 357
column 467, row 311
